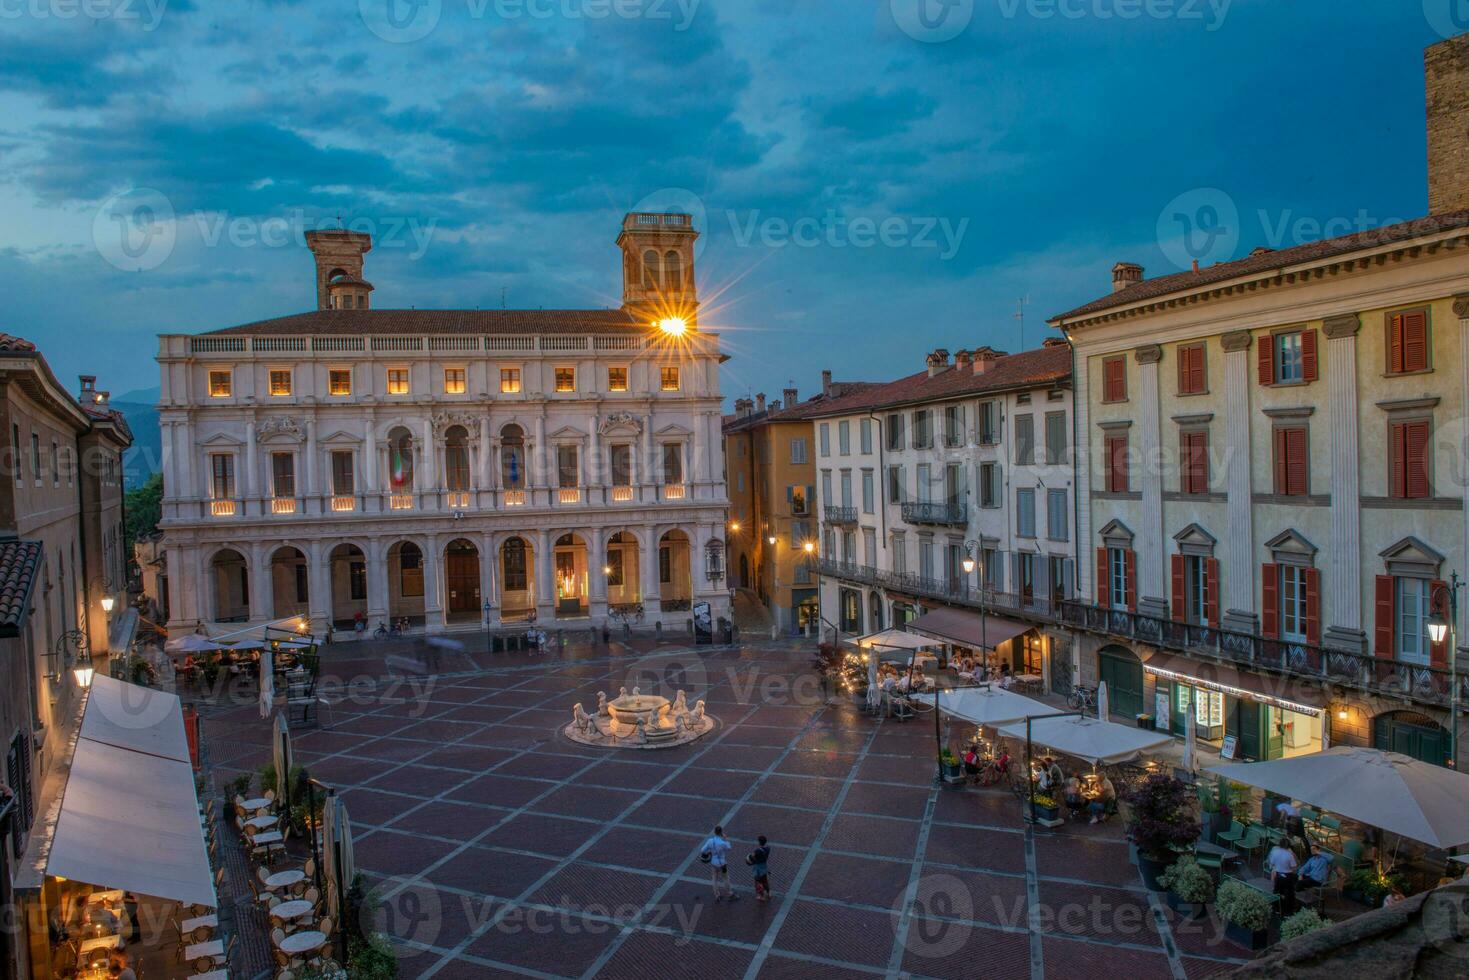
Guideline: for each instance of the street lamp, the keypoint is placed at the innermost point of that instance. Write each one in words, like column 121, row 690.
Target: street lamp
column 1439, row 629
column 83, row 674
column 107, row 603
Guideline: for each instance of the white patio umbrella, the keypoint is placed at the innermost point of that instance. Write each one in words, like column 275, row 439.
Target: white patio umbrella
column 267, row 684
column 281, row 744
column 338, row 862
column 988, row 705
column 1401, row 795
column 194, row 643
column 1190, row 740
column 1095, row 741
column 1104, row 707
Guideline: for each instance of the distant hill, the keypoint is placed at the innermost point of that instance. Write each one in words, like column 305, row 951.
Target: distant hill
column 146, row 455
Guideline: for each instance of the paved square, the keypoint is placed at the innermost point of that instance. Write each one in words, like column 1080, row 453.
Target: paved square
column 503, row 849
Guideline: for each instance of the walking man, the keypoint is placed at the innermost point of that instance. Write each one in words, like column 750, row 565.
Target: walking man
column 759, row 862
column 1283, row 867
column 715, row 852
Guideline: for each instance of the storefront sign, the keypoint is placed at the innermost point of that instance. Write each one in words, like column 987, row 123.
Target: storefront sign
column 1161, row 717
column 1231, row 742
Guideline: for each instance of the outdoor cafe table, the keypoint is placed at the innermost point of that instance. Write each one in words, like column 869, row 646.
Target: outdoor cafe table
column 285, row 879
column 114, row 895
column 213, row 950
column 100, row 942
column 291, row 910
column 262, row 823
column 301, row 943
column 190, row 926
column 258, row 803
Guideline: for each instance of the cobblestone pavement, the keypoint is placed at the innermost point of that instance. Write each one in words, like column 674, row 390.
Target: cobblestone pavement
column 503, row 849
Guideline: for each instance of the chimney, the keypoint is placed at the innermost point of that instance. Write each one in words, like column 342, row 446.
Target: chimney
column 789, row 397
column 937, row 361
column 826, row 382
column 1446, row 80
column 775, row 406
column 89, row 385
column 962, row 360
column 760, row 402
column 1055, row 342
column 984, row 357
column 743, row 407
column 1126, row 274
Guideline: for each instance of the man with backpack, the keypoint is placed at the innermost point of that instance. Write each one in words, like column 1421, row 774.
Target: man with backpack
column 715, row 853
column 759, row 862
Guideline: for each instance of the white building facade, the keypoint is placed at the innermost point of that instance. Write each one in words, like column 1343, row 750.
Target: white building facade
column 969, row 460
column 456, row 469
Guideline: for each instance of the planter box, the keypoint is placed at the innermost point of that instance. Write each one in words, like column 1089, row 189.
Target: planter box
column 1251, row 940
column 1150, row 871
column 1145, row 722
column 1189, row 910
column 1046, row 816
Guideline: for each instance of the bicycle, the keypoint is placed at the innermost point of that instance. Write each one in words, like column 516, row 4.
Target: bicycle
column 381, row 633
column 1082, row 699
column 627, row 615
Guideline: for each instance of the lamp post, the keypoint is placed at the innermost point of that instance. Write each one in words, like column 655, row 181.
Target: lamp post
column 969, row 564
column 1438, row 628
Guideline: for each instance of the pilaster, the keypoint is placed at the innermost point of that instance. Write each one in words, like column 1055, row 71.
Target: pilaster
column 1082, row 441
column 1239, row 558
column 1344, row 573
column 1152, row 599
column 433, row 605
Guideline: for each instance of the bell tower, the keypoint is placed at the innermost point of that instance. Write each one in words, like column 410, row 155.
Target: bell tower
column 658, row 265
column 339, row 282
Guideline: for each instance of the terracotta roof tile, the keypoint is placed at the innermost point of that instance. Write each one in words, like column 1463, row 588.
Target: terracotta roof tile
column 10, row 342
column 19, row 562
column 357, row 322
column 1265, row 261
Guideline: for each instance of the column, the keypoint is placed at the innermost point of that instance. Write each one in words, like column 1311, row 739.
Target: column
column 1461, row 310
column 647, row 466
column 593, row 466
column 694, row 471
column 377, row 583
column 545, row 580
column 433, row 606
column 1239, row 539
column 488, row 561
column 369, row 457
column 428, row 482
column 252, row 452
column 262, row 591
column 1344, row 574
column 596, row 575
column 648, row 567
column 319, row 587
column 185, row 432
column 537, row 463
column 486, row 454
column 313, row 488
column 1082, row 441
column 1152, row 597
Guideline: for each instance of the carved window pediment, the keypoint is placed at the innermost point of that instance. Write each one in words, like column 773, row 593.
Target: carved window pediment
column 1194, row 540
column 1290, row 547
column 1410, row 556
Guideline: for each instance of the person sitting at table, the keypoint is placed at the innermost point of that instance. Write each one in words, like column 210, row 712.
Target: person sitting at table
column 120, row 968
column 1316, row 870
column 971, row 762
column 1006, row 679
column 1104, row 802
column 1071, row 793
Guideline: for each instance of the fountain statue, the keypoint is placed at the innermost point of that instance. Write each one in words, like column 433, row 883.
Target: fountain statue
column 602, row 711
column 580, row 717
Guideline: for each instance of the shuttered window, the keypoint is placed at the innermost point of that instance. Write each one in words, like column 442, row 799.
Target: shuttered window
column 1114, row 379
column 1117, row 475
column 1193, row 453
column 283, row 474
column 1290, row 461
column 1191, row 369
column 1407, row 342
column 1408, row 460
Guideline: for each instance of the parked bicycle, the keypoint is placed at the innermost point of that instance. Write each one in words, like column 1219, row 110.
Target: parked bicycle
column 1082, row 699
column 627, row 615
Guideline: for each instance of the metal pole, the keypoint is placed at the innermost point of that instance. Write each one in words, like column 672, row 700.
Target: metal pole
column 1454, row 585
column 311, row 822
column 938, row 737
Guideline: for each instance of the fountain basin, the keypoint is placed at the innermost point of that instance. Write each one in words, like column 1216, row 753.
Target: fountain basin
column 627, row 710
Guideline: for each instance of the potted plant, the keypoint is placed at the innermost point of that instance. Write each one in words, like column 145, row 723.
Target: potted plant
column 953, row 770
column 1190, row 887
column 239, row 786
column 142, row 672
column 1304, row 921
column 1161, row 824
column 1369, row 886
column 1246, row 914
column 1045, row 810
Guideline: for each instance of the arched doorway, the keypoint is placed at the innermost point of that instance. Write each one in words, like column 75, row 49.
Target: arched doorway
column 675, row 576
column 570, row 557
column 623, row 570
column 349, row 585
column 1411, row 734
column 405, row 582
column 231, row 576
column 517, row 580
column 461, row 581
column 744, row 571
column 1122, row 671
column 290, row 583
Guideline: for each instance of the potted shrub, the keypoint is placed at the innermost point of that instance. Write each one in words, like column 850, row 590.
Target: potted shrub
column 1246, row 914
column 1045, row 810
column 953, row 770
column 1369, row 886
column 1190, row 887
column 1304, row 921
column 1161, row 823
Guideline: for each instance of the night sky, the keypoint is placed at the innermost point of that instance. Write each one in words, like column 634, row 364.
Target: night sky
column 872, row 179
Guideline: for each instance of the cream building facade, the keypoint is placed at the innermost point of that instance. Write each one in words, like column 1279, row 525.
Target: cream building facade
column 457, row 469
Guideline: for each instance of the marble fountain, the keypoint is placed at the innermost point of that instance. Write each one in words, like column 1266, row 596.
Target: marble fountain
column 639, row 721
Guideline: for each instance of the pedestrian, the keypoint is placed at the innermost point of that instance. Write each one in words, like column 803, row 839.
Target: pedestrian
column 1282, row 863
column 759, row 862
column 715, row 853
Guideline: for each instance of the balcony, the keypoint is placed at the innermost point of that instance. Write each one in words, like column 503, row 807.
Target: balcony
column 621, row 495
column 343, row 504
column 568, row 495
column 283, row 505
column 514, row 498
column 457, row 499
column 221, row 508
column 839, row 514
column 930, row 513
column 400, row 501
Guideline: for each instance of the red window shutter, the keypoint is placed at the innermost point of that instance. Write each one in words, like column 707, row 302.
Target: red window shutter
column 1415, row 459
column 1395, row 343
column 1104, row 581
column 1295, row 462
column 1308, row 355
column 1211, row 591
column 1415, row 341
column 1266, row 361
column 1117, row 475
column 1396, row 456
column 1180, row 587
column 1130, row 567
column 1183, row 370
column 1438, row 602
column 1196, row 370
column 1313, row 606
column 1282, row 472
column 1114, row 379
column 1201, row 462
column 1384, row 614
column 1270, row 600
column 1109, row 461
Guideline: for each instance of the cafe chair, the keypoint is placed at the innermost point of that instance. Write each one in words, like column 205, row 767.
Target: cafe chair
column 313, row 895
column 1233, row 835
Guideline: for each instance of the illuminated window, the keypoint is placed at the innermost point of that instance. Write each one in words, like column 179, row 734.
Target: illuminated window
column 219, row 384
column 510, row 381
column 670, row 379
column 280, row 383
column 566, row 379
column 397, row 381
column 617, row 379
column 339, row 381
column 454, row 381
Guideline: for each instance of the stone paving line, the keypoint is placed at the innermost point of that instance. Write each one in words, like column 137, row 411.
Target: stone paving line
column 790, row 744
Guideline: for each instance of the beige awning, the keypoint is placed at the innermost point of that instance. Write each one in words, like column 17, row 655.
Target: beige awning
column 131, row 717
column 981, row 631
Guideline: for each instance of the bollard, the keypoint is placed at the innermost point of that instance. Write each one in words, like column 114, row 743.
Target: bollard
column 658, row 630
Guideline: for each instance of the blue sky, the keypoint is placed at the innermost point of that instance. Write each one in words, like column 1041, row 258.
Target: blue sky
column 868, row 186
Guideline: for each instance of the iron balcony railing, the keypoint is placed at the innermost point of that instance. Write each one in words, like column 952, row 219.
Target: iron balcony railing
column 1321, row 665
column 929, row 513
column 838, row 514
